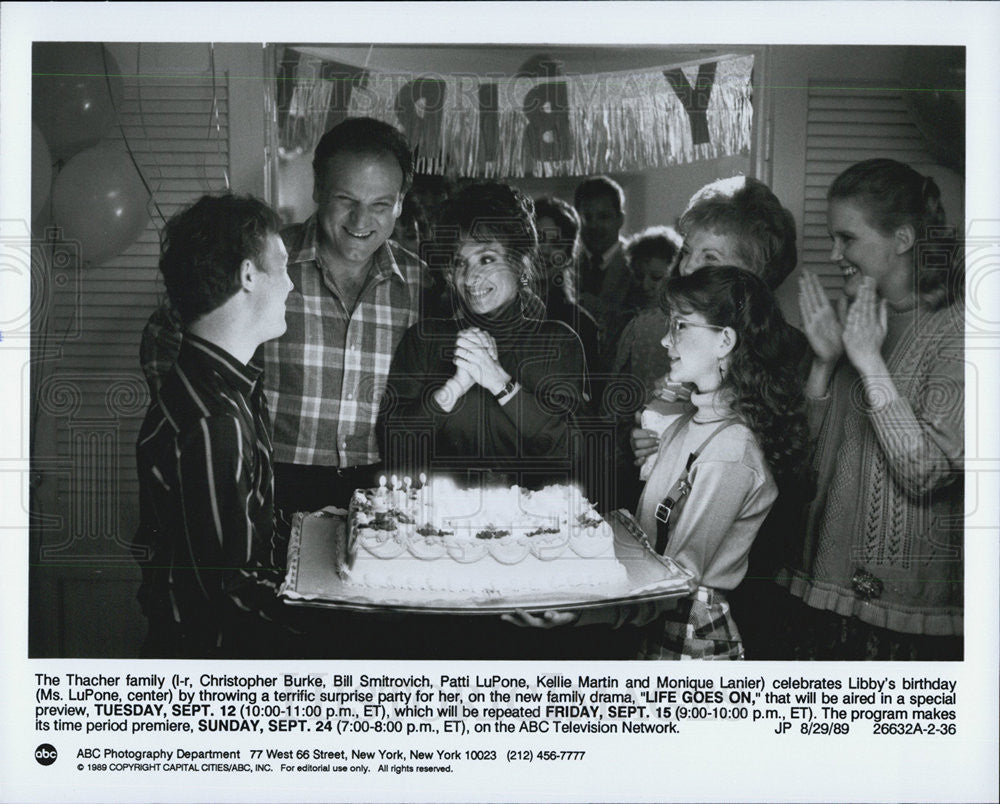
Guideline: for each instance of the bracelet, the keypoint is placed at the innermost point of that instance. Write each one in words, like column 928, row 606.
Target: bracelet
column 504, row 394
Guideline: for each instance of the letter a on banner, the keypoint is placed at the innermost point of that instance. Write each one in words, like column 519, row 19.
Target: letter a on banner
column 695, row 98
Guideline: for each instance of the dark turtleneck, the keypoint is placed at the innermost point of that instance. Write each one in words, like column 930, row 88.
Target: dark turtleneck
column 528, row 438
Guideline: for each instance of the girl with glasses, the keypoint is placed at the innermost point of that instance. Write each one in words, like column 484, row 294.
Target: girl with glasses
column 739, row 221
column 720, row 465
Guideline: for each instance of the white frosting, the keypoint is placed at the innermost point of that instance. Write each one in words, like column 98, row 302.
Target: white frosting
column 482, row 542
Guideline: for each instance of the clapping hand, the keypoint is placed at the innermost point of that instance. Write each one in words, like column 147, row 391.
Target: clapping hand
column 823, row 326
column 865, row 328
column 476, row 355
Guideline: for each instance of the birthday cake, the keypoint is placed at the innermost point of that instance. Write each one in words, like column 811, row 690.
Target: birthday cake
column 482, row 543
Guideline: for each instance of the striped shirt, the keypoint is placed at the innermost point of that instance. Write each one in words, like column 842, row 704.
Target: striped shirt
column 161, row 341
column 211, row 555
column 325, row 376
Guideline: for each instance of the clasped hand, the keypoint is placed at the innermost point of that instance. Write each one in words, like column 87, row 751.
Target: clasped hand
column 857, row 329
column 477, row 362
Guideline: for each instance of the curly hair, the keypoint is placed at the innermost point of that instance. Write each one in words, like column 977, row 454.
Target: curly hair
column 747, row 210
column 893, row 194
column 562, row 213
column 767, row 386
column 489, row 212
column 204, row 245
column 655, row 242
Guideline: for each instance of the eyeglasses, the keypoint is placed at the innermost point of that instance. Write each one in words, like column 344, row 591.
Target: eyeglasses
column 675, row 326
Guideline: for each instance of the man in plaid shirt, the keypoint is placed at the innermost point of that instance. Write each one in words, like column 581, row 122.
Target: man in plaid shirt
column 355, row 295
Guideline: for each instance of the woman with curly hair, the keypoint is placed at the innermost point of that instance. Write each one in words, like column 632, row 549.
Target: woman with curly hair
column 880, row 571
column 495, row 384
column 487, row 395
column 721, row 464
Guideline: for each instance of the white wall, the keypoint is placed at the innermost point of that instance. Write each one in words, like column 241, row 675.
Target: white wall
column 791, row 71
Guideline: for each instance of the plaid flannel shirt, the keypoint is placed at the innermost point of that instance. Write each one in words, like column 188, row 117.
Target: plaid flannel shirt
column 325, row 376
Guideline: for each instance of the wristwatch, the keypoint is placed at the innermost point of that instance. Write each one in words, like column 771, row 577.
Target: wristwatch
column 504, row 394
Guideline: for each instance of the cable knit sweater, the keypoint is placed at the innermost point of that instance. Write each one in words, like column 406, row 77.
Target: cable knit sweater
column 885, row 533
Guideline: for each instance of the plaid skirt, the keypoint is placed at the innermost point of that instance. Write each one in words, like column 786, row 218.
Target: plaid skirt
column 700, row 627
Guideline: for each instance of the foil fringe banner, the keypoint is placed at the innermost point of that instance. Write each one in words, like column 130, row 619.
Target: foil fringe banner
column 570, row 125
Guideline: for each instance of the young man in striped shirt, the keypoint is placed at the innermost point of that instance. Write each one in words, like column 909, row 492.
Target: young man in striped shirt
column 208, row 544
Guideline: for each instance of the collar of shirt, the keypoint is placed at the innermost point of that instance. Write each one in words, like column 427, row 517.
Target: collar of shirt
column 307, row 250
column 207, row 355
column 713, row 406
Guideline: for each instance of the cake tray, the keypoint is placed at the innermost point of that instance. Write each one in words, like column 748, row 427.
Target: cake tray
column 312, row 579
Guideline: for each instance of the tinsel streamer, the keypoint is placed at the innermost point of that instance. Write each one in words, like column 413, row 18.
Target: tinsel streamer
column 304, row 122
column 213, row 121
column 618, row 122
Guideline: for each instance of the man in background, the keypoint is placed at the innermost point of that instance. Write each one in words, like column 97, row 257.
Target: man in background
column 606, row 282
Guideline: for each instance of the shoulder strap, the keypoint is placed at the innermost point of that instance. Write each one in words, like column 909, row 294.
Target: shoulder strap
column 669, row 510
column 678, row 424
column 722, row 426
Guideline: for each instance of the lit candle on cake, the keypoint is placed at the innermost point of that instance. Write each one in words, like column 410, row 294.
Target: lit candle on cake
column 380, row 506
column 423, row 513
column 397, row 495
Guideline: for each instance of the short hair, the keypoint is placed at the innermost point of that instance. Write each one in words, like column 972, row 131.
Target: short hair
column 562, row 213
column 655, row 242
column 488, row 211
column 600, row 187
column 204, row 245
column 363, row 135
column 892, row 194
column 748, row 211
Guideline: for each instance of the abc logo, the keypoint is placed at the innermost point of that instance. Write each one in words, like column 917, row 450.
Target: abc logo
column 45, row 754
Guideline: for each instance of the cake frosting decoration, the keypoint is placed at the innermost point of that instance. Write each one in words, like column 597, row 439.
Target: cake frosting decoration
column 478, row 543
